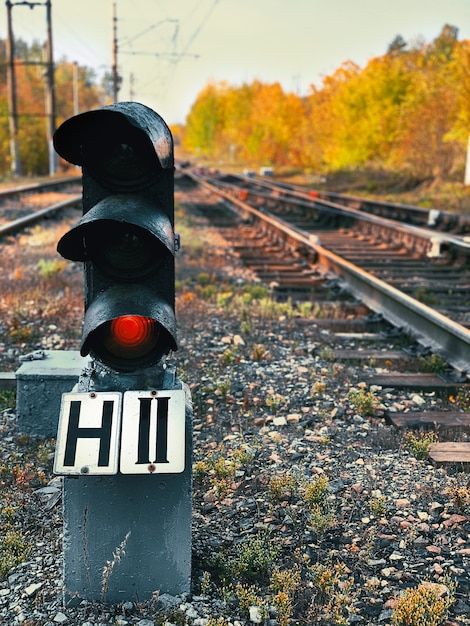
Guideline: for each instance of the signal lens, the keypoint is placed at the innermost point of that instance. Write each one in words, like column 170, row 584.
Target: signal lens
column 127, row 250
column 131, row 336
column 125, row 164
column 124, row 251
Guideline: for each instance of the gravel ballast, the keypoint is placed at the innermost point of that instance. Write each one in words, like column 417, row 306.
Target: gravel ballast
column 305, row 511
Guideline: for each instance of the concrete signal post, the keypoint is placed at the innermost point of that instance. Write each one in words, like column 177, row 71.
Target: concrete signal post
column 124, row 436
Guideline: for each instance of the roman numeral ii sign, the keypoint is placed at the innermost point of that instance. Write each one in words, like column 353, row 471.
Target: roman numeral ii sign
column 135, row 432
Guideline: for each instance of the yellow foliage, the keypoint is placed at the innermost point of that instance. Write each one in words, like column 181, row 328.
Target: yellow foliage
column 407, row 110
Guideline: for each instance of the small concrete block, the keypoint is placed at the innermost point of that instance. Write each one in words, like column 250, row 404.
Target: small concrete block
column 40, row 384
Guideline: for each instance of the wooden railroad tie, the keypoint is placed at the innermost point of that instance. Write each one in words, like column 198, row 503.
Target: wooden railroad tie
column 450, row 453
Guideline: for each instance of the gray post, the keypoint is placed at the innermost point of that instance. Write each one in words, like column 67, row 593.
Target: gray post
column 128, row 536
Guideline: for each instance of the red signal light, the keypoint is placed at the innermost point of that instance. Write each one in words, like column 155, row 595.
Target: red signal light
column 132, row 336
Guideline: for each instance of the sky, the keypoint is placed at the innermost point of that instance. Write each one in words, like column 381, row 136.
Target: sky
column 169, row 50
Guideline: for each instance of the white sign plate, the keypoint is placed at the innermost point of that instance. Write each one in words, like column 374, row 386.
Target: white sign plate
column 88, row 434
column 153, row 432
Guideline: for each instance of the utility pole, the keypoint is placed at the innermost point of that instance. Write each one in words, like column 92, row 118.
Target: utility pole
column 50, row 93
column 12, row 108
column 76, row 102
column 50, row 87
column 116, row 77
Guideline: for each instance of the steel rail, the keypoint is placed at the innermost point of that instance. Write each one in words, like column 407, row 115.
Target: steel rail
column 21, row 222
column 428, row 327
column 436, row 218
column 13, row 191
column 435, row 240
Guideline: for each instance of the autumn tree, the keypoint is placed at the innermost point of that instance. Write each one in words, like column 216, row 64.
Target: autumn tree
column 426, row 144
column 408, row 110
column 30, row 96
column 204, row 122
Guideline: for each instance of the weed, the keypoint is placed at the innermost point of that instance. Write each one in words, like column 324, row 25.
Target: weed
column 8, row 515
column 26, row 477
column 200, row 470
column 326, row 354
column 377, row 505
column 426, row 296
column 274, row 401
column 321, row 519
column 305, row 308
column 219, row 471
column 287, row 581
column 462, row 399
column 223, row 299
column 420, row 444
column 334, row 592
column 14, row 549
column 319, row 388
column 243, row 456
column 459, row 493
column 281, row 487
column 175, row 616
column 7, row 399
column 268, row 308
column 259, row 352
column 50, row 268
column 256, row 292
column 228, row 357
column 217, row 621
column 314, row 492
column 110, row 565
column 325, row 576
column 336, row 370
column 205, row 583
column 425, row 605
column 282, row 602
column 223, row 468
column 203, row 279
column 20, row 332
column 364, row 401
column 255, row 559
column 187, row 296
column 248, row 600
column 432, row 363
column 207, row 292
column 223, row 388
column 246, row 327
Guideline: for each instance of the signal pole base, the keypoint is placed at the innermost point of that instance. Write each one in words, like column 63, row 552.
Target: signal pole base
column 128, row 536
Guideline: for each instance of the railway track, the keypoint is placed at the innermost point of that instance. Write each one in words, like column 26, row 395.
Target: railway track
column 387, row 517
column 417, row 278
column 414, row 281
column 409, row 277
column 27, row 204
column 408, row 214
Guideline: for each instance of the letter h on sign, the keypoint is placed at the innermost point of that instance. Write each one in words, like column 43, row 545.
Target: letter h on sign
column 103, row 433
column 138, row 432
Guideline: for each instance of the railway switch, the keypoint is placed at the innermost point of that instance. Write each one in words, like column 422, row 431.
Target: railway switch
column 125, row 237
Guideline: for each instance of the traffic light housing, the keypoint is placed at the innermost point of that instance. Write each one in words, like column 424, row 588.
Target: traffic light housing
column 126, row 235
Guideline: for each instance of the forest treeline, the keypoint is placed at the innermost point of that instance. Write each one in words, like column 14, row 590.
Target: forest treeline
column 31, row 107
column 405, row 111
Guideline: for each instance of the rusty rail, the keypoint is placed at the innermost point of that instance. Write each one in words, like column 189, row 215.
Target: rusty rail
column 428, row 327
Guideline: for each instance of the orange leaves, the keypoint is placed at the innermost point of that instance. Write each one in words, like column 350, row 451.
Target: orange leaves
column 407, row 110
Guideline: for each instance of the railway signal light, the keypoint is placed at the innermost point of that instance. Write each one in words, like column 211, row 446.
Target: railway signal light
column 125, row 237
